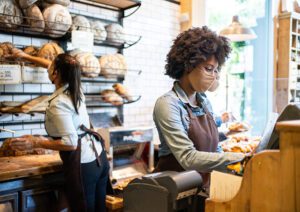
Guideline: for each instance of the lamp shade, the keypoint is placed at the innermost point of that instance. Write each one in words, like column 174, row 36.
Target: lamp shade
column 237, row 32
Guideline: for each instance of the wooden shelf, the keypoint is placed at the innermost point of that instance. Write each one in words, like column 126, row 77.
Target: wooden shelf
column 114, row 4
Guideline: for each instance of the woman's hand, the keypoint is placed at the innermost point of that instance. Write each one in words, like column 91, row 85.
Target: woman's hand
column 18, row 53
column 26, row 142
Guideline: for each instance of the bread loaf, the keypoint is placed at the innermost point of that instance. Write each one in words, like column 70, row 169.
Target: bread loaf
column 61, row 2
column 58, row 20
column 113, row 64
column 31, row 50
column 10, row 14
column 6, row 150
column 110, row 96
column 89, row 64
column 50, row 51
column 34, row 18
column 6, row 49
column 81, row 23
column 115, row 33
column 98, row 29
column 26, row 3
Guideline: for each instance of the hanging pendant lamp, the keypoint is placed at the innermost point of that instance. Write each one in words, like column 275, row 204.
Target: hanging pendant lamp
column 237, row 32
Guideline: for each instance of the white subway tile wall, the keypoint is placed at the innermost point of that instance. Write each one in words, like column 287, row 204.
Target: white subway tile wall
column 156, row 22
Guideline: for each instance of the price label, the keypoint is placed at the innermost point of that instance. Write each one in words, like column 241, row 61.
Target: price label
column 83, row 40
column 10, row 74
column 35, row 74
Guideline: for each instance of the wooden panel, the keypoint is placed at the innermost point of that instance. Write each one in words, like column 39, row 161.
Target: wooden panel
column 252, row 192
column 22, row 166
column 272, row 179
column 122, row 4
column 9, row 202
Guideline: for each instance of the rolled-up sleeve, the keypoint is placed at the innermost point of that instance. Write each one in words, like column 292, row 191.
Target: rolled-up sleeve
column 168, row 121
column 61, row 117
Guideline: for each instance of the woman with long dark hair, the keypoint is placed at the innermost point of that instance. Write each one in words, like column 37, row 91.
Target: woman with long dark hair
column 67, row 123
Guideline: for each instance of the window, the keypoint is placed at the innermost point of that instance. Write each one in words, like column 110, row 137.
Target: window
column 246, row 78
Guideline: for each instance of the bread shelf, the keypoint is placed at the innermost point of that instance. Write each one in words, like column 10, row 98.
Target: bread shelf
column 62, row 36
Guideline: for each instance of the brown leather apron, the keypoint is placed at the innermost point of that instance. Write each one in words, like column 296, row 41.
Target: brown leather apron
column 204, row 134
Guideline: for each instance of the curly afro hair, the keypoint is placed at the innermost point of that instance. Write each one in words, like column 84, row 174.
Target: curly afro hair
column 194, row 47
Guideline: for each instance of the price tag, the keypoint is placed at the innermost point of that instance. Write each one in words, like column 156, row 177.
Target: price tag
column 83, row 40
column 35, row 74
column 10, row 74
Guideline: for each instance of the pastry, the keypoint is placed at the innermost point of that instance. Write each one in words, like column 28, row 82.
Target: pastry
column 110, row 96
column 113, row 64
column 98, row 29
column 34, row 18
column 58, row 20
column 50, row 51
column 6, row 49
column 122, row 91
column 10, row 14
column 80, row 23
column 115, row 33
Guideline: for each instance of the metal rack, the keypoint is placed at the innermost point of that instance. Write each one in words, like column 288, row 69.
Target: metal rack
column 121, row 7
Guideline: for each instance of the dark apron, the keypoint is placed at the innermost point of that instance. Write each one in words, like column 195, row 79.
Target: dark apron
column 204, row 134
column 72, row 172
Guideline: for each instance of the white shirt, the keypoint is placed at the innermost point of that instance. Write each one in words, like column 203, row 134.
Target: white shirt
column 62, row 121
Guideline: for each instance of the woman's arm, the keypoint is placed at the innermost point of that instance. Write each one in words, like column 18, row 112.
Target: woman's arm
column 37, row 60
column 30, row 142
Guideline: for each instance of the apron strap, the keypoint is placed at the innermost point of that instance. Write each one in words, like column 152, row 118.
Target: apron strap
column 98, row 137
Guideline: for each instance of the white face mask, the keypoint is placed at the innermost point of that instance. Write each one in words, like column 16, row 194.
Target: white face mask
column 214, row 85
column 200, row 79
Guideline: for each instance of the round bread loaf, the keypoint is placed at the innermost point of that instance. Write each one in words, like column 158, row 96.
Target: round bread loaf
column 114, row 64
column 6, row 49
column 61, row 2
column 26, row 3
column 50, row 51
column 98, row 29
column 115, row 33
column 80, row 23
column 90, row 66
column 58, row 20
column 31, row 50
column 10, row 14
column 34, row 18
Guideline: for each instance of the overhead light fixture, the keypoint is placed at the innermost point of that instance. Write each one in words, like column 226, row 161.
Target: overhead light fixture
column 237, row 32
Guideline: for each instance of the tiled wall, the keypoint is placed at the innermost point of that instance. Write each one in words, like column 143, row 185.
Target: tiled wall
column 157, row 23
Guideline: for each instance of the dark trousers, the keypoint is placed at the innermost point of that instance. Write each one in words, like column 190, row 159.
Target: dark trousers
column 94, row 180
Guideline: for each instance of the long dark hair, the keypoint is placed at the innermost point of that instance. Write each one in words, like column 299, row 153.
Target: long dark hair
column 69, row 71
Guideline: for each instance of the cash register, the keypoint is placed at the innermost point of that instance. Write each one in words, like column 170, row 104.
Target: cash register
column 163, row 192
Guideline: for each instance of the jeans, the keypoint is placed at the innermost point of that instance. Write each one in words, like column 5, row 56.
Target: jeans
column 94, row 180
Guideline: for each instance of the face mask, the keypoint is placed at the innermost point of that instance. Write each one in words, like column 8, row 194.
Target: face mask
column 200, row 80
column 214, row 85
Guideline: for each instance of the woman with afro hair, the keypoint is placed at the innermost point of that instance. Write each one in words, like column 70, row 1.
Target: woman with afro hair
column 184, row 119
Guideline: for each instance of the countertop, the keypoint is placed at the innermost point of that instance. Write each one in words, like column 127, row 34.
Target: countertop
column 29, row 165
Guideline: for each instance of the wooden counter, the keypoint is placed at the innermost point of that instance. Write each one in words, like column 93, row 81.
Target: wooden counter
column 29, row 165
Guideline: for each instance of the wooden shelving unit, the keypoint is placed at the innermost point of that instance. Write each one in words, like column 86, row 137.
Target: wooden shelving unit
column 287, row 82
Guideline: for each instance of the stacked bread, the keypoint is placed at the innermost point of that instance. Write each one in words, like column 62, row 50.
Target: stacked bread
column 10, row 14
column 115, row 33
column 90, row 66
